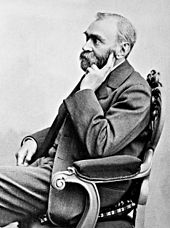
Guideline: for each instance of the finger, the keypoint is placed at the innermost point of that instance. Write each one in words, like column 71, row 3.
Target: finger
column 89, row 70
column 110, row 62
column 28, row 156
column 26, row 163
column 21, row 157
column 94, row 67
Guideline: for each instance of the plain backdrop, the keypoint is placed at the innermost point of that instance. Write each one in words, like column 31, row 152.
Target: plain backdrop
column 40, row 42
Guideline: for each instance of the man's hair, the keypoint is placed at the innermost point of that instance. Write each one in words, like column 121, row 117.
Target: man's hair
column 125, row 30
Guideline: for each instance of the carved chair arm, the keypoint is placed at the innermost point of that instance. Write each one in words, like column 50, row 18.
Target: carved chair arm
column 92, row 207
column 84, row 174
column 114, row 168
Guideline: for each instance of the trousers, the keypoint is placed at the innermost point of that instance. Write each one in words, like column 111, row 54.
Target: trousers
column 24, row 191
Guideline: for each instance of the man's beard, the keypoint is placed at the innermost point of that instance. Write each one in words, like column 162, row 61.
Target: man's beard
column 88, row 58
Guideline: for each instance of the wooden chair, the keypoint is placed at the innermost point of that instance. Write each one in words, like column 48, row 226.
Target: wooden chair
column 82, row 173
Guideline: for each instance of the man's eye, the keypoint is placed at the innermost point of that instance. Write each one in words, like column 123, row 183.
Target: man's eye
column 96, row 41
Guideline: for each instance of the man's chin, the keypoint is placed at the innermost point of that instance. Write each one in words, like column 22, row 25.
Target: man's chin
column 84, row 65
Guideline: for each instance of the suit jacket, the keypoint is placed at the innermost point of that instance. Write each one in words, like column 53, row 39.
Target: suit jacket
column 111, row 121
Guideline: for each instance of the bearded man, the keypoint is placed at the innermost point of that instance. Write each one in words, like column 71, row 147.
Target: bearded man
column 106, row 114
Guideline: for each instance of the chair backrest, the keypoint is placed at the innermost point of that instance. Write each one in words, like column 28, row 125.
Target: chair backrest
column 156, row 126
column 157, row 108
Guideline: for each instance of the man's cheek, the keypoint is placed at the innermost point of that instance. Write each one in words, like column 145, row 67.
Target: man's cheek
column 91, row 61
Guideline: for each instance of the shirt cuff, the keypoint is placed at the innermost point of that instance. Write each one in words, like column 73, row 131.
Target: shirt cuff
column 28, row 138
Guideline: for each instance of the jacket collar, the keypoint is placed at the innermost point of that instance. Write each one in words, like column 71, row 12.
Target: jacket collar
column 119, row 75
column 115, row 79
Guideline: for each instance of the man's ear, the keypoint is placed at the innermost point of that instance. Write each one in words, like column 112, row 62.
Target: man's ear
column 122, row 50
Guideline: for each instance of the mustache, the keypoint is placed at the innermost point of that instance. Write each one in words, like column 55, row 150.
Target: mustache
column 91, row 58
column 86, row 54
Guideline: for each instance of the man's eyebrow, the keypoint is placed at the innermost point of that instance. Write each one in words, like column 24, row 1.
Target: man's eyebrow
column 94, row 36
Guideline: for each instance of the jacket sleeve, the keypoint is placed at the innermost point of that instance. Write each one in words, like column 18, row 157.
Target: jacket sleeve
column 39, row 137
column 104, row 134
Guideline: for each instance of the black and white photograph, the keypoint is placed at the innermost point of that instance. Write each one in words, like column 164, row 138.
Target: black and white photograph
column 84, row 114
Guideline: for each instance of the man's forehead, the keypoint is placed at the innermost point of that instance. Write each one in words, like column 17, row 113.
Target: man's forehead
column 106, row 28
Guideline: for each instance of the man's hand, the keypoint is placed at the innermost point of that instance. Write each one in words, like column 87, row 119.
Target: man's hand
column 25, row 153
column 95, row 76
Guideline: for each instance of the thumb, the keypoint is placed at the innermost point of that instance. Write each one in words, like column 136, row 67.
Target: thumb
column 21, row 158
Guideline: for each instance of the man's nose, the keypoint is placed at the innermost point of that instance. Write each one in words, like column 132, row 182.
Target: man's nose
column 87, row 46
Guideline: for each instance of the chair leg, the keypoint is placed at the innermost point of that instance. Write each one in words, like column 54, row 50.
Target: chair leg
column 134, row 216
